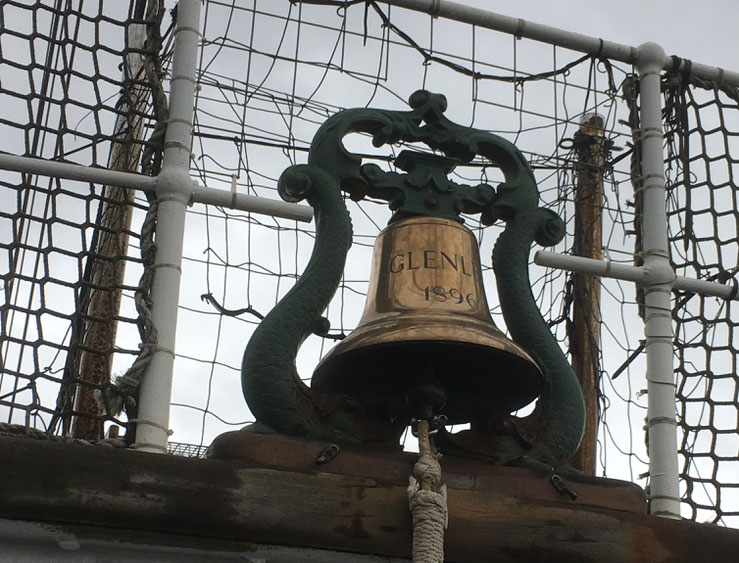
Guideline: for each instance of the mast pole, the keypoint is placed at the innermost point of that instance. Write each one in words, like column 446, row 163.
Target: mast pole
column 592, row 150
column 104, row 286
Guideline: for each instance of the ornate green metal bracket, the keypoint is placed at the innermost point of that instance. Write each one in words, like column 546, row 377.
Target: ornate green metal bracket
column 274, row 391
column 425, row 189
column 410, row 193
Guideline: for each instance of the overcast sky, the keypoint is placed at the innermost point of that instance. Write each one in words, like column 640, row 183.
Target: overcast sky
column 704, row 31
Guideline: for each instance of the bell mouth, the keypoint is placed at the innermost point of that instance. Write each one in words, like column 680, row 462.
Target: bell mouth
column 480, row 370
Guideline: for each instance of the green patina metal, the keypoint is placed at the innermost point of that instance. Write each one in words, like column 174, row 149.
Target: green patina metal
column 425, row 179
column 425, row 188
column 276, row 395
column 552, row 433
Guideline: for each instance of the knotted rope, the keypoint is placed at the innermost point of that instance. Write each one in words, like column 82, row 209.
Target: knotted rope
column 427, row 501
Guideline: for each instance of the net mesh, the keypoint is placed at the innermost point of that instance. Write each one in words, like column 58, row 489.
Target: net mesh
column 269, row 73
column 702, row 132
column 75, row 88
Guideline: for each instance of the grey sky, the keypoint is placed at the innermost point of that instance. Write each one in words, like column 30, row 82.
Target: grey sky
column 703, row 31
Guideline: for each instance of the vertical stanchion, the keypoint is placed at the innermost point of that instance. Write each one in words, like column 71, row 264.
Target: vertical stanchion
column 661, row 424
column 173, row 192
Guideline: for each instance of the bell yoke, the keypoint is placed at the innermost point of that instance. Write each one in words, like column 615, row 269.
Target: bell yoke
column 426, row 345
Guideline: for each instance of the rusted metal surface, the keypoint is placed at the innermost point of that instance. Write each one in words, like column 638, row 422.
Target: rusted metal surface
column 505, row 514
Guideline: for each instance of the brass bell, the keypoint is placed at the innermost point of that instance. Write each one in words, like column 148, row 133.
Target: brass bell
column 426, row 322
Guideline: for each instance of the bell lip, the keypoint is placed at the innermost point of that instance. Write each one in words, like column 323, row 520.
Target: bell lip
column 362, row 375
column 349, row 368
column 426, row 327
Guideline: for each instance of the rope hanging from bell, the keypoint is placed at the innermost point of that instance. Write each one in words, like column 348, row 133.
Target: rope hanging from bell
column 427, row 502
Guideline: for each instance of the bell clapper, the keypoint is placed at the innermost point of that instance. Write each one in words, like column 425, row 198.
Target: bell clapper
column 425, row 398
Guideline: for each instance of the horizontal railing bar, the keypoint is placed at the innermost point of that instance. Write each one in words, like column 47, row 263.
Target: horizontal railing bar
column 625, row 272
column 200, row 194
column 559, row 37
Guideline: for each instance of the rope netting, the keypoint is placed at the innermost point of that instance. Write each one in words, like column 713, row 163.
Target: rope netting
column 77, row 83
column 269, row 73
column 702, row 132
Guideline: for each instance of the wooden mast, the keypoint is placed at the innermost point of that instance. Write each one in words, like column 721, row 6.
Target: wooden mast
column 109, row 254
column 591, row 148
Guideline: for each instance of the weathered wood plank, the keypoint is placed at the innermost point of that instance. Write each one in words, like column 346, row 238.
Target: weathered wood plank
column 72, row 484
column 530, row 482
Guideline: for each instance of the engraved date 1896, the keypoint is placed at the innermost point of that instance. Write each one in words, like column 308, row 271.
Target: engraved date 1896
column 451, row 295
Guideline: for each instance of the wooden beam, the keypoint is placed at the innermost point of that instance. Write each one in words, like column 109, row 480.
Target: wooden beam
column 310, row 506
column 530, row 483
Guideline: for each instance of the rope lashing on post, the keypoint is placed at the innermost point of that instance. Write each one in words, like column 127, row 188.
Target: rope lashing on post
column 122, row 394
column 427, row 502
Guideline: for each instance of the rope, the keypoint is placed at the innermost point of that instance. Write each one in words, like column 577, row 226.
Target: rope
column 122, row 394
column 427, row 501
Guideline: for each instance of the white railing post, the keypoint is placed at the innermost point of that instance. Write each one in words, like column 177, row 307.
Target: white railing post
column 174, row 189
column 661, row 423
